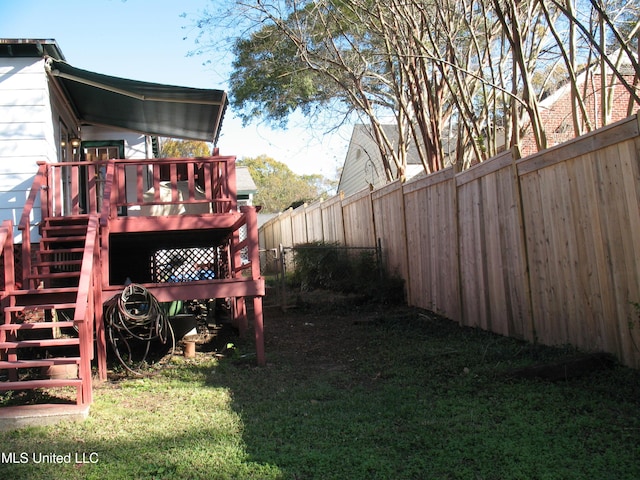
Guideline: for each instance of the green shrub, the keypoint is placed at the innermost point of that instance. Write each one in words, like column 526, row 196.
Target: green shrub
column 328, row 266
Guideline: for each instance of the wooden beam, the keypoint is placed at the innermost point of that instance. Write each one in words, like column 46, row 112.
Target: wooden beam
column 167, row 292
column 175, row 222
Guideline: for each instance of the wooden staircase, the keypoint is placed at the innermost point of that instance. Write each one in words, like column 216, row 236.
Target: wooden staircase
column 59, row 258
column 42, row 343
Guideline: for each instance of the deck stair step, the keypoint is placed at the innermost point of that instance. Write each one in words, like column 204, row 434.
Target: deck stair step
column 39, row 363
column 63, row 224
column 14, row 327
column 42, row 306
column 63, row 274
column 49, row 275
column 64, row 230
column 35, row 298
column 58, row 261
column 60, row 240
column 69, row 278
column 40, row 383
column 47, row 342
column 60, row 250
column 61, row 263
column 67, row 220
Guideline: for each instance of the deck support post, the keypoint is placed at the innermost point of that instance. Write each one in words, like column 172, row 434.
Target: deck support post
column 84, row 367
column 240, row 316
column 101, row 342
column 98, row 315
column 258, row 325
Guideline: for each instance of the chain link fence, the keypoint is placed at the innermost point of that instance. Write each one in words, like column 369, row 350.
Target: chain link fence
column 289, row 270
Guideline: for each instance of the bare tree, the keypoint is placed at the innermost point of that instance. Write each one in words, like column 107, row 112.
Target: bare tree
column 475, row 70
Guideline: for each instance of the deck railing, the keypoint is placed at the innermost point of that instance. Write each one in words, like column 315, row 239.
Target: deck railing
column 73, row 188
column 88, row 287
column 169, row 186
column 162, row 186
column 6, row 250
column 37, row 189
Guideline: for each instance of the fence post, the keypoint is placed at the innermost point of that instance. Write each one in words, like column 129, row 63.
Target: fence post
column 515, row 156
column 381, row 269
column 283, row 283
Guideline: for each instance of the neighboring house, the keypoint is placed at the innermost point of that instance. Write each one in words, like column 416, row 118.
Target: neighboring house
column 556, row 109
column 363, row 164
column 245, row 185
column 46, row 106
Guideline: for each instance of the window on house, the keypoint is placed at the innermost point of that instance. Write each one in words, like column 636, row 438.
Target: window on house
column 93, row 154
column 98, row 151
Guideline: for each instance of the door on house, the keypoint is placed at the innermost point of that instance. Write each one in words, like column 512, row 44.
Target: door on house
column 97, row 152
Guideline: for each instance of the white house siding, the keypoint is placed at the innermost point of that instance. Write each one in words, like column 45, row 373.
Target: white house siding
column 26, row 132
column 362, row 166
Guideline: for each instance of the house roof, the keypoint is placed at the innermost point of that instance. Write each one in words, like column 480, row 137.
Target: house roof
column 624, row 67
column 29, row 47
column 244, row 181
column 149, row 108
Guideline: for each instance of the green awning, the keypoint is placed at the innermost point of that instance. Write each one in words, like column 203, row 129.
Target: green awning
column 150, row 108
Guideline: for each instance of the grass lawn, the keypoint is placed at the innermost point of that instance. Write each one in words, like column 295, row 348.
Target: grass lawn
column 350, row 394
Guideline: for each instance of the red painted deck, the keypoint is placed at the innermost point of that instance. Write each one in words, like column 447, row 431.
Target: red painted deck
column 104, row 223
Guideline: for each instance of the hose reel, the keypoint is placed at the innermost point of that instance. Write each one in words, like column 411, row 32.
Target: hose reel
column 135, row 322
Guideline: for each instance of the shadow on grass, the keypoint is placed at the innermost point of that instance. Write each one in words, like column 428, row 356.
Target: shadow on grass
column 202, row 453
column 367, row 394
column 167, row 426
column 404, row 394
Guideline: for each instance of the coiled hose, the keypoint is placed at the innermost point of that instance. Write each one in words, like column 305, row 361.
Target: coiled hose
column 134, row 320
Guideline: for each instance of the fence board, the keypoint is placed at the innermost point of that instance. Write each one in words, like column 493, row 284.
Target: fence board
column 359, row 228
column 314, row 222
column 271, row 241
column 431, row 230
column 299, row 226
column 472, row 252
column 494, row 283
column 583, row 222
column 584, row 194
column 333, row 221
column 389, row 218
column 514, row 257
column 286, row 229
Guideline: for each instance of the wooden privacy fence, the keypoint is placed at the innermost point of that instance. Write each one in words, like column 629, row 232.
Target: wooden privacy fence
column 546, row 248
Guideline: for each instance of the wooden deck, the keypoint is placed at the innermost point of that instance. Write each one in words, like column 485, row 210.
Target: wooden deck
column 150, row 222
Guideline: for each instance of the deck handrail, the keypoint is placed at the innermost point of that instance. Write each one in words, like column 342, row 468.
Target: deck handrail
column 6, row 249
column 105, row 213
column 191, row 181
column 86, row 270
column 202, row 181
column 84, row 305
column 39, row 182
column 83, row 187
column 250, row 243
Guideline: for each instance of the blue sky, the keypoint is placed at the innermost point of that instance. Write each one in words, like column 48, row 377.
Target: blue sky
column 145, row 40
